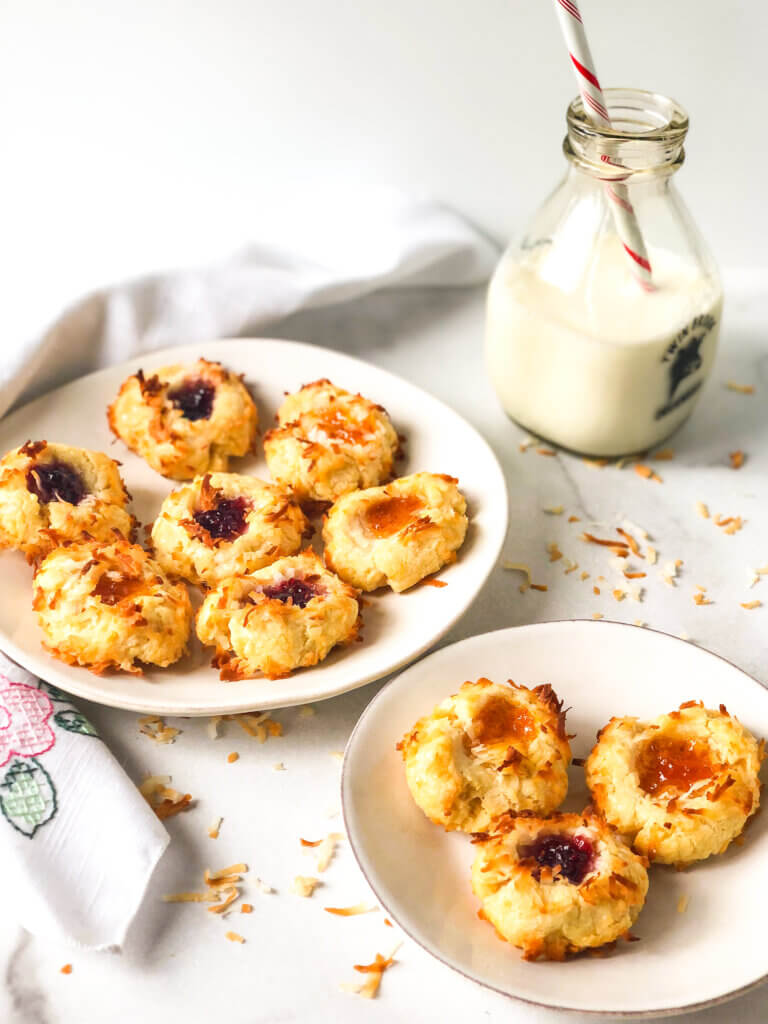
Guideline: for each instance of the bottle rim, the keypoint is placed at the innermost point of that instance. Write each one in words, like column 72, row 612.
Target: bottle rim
column 646, row 134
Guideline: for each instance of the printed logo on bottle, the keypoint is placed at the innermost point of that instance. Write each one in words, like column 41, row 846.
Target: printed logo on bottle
column 684, row 359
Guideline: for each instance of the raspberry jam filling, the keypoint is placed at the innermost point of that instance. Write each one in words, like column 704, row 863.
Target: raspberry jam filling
column 298, row 592
column 666, row 763
column 194, row 398
column 573, row 854
column 56, row 481
column 389, row 515
column 226, row 521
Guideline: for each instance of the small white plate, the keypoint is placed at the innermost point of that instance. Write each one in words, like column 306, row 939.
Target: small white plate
column 396, row 627
column 713, row 951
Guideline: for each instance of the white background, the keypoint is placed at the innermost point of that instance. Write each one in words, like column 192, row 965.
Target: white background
column 195, row 118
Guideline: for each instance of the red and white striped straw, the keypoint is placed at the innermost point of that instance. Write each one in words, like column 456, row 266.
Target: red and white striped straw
column 628, row 229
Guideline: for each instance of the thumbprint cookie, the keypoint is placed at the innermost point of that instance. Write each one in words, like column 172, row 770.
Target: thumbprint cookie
column 397, row 534
column 110, row 606
column 329, row 442
column 681, row 787
column 223, row 525
column 488, row 749
column 185, row 420
column 51, row 493
column 286, row 616
column 558, row 885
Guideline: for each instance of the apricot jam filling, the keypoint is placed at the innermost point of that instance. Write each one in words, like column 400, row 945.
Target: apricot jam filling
column 669, row 763
column 194, row 398
column 499, row 720
column 113, row 589
column 574, row 855
column 389, row 515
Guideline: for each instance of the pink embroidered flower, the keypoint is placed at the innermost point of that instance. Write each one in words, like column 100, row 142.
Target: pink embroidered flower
column 24, row 714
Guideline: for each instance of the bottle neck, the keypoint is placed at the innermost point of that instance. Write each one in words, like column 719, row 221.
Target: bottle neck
column 645, row 138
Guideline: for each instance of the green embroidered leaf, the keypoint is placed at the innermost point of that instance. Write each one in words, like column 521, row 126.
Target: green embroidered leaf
column 54, row 692
column 27, row 795
column 73, row 721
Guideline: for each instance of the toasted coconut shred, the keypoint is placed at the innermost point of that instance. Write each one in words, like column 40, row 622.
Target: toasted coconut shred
column 554, row 552
column 164, row 801
column 213, row 831
column 353, row 911
column 737, row 459
column 375, row 972
column 157, row 730
column 702, row 509
column 749, row 605
column 304, row 885
column 743, row 389
column 554, row 510
column 234, row 937
column 682, row 903
column 222, row 889
column 259, row 726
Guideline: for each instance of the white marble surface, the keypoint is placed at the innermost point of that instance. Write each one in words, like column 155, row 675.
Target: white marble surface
column 177, row 961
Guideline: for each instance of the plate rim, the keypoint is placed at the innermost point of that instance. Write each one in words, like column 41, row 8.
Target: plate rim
column 34, row 664
column 344, row 784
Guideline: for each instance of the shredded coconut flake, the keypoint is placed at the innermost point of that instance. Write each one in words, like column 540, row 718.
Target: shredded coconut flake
column 358, row 908
column 554, row 510
column 304, row 885
column 743, row 389
column 156, row 729
column 213, row 831
column 702, row 509
column 647, row 473
column 327, row 848
column 554, row 552
column 234, row 937
column 164, row 801
column 375, row 972
column 749, row 605
column 682, row 903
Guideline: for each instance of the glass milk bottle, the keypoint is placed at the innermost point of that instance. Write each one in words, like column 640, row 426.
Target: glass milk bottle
column 580, row 353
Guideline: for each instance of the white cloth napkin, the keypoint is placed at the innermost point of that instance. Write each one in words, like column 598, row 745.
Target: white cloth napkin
column 78, row 842
column 310, row 252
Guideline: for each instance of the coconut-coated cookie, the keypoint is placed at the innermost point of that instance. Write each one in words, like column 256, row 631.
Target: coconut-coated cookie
column 109, row 605
column 51, row 493
column 397, row 534
column 329, row 442
column 558, row 885
column 288, row 615
column 680, row 787
column 222, row 525
column 185, row 420
column 488, row 749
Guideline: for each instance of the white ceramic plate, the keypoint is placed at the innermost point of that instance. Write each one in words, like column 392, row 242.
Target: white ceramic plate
column 712, row 951
column 396, row 628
